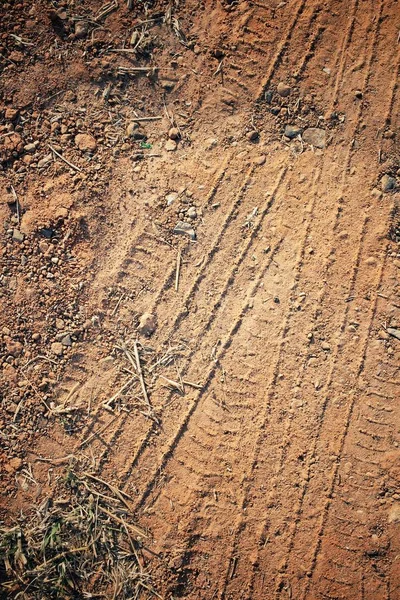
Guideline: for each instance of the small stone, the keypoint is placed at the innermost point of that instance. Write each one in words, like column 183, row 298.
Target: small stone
column 394, row 332
column 394, row 513
column 182, row 228
column 11, row 114
column 171, row 197
column 283, row 89
column 60, row 324
column 36, row 337
column 315, row 137
column 131, row 128
column 66, row 340
column 253, row 136
column 388, row 183
column 147, row 324
column 170, row 145
column 17, row 236
column 325, row 346
column 291, row 131
column 43, row 246
column 192, row 213
column 30, row 148
column 167, row 85
column 15, row 463
column 358, row 94
column 260, row 160
column 85, row 142
column 81, row 29
column 14, row 348
column 173, row 133
column 45, row 161
column 57, row 348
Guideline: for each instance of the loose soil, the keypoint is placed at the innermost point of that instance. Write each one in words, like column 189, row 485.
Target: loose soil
column 241, row 387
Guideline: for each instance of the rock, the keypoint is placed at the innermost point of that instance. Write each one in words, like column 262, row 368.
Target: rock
column 57, row 348
column 15, row 463
column 167, row 85
column 192, row 213
column 44, row 246
column 17, row 236
column 260, row 160
column 171, row 197
column 325, row 346
column 170, row 145
column 388, row 183
column 131, row 128
column 358, row 94
column 253, row 136
column 173, row 133
column 81, row 29
column 11, row 114
column 45, row 161
column 182, row 228
column 147, row 324
column 30, row 148
column 394, row 332
column 66, row 340
column 283, row 89
column 13, row 348
column 315, row 137
column 291, row 131
column 394, row 513
column 85, row 142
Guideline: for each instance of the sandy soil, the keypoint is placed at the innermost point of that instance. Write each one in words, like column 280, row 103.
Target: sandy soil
column 242, row 387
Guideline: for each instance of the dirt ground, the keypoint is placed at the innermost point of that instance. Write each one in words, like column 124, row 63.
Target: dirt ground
column 202, row 307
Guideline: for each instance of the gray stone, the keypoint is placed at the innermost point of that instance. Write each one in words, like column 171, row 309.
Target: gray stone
column 17, row 235
column 191, row 213
column 171, row 197
column 66, row 340
column 315, row 137
column 182, row 228
column 388, row 183
column 291, row 131
column 283, row 89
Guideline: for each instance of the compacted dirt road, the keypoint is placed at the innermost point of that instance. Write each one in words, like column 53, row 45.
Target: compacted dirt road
column 240, row 380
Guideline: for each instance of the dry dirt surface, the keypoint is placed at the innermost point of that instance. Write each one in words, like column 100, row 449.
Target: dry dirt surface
column 203, row 307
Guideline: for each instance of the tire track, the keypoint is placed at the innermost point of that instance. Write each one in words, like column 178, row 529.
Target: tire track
column 214, row 311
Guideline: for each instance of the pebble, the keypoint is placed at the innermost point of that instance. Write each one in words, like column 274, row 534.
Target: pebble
column 325, row 346
column 252, row 136
column 192, row 213
column 173, row 133
column 388, row 183
column 81, row 29
column 45, row 161
column 57, row 348
column 260, row 160
column 85, row 142
column 182, row 228
column 131, row 128
column 30, row 147
column 147, row 324
column 171, row 197
column 315, row 137
column 15, row 463
column 14, row 348
column 291, row 131
column 17, row 236
column 283, row 89
column 66, row 340
column 170, row 145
